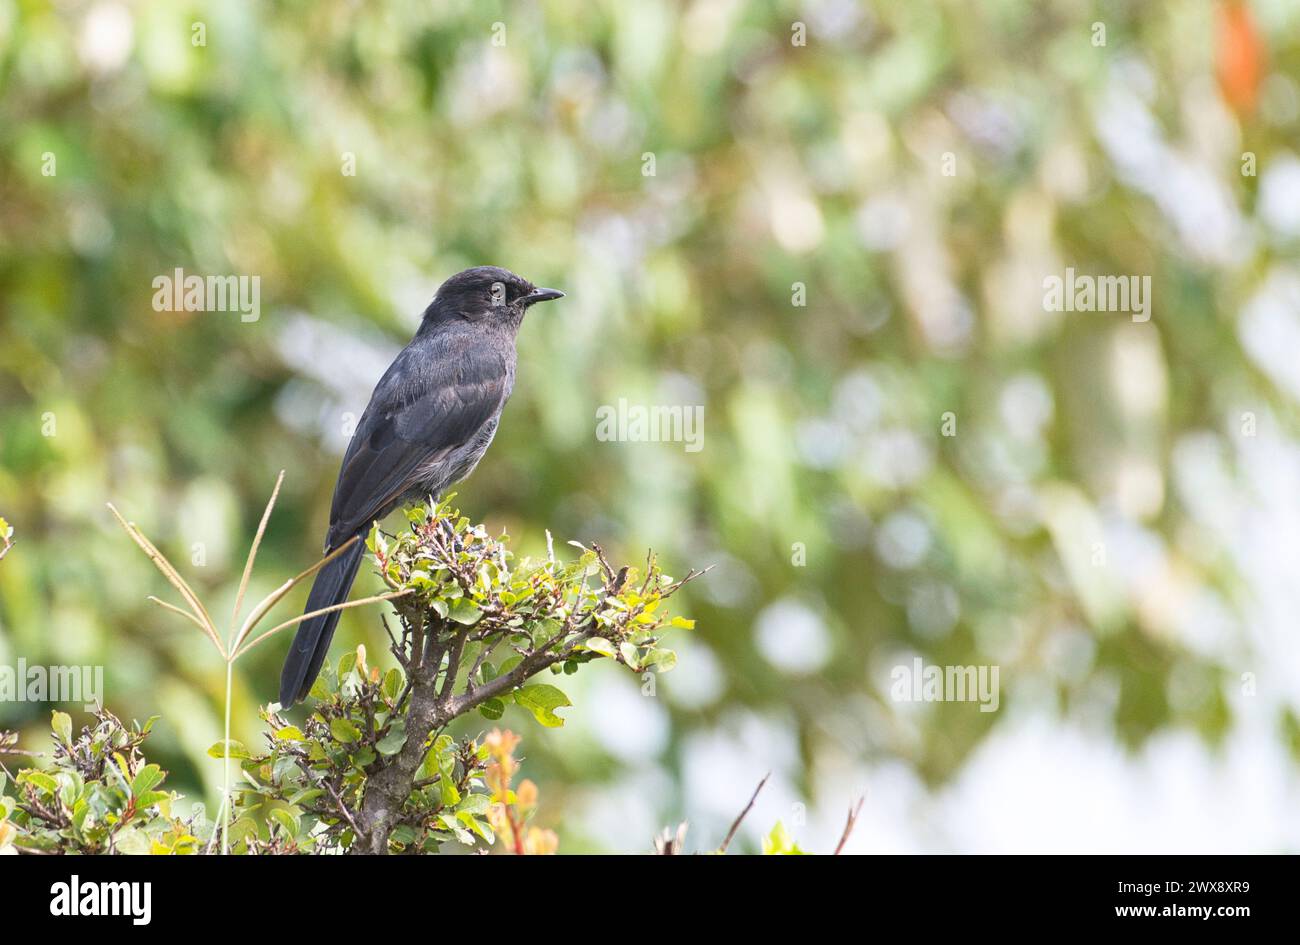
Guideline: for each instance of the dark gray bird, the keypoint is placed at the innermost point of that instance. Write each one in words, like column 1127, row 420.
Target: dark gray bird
column 427, row 425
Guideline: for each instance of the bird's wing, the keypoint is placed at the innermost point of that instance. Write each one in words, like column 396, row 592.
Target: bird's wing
column 432, row 400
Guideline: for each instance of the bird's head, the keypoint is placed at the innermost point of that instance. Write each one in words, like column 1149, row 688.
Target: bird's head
column 486, row 293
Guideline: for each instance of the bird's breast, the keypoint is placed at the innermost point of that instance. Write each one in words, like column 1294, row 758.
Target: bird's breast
column 451, row 466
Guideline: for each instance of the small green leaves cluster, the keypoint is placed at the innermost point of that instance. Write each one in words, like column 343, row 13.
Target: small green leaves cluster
column 581, row 610
column 98, row 796
column 302, row 793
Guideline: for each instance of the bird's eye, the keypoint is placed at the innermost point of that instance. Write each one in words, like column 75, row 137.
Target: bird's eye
column 498, row 292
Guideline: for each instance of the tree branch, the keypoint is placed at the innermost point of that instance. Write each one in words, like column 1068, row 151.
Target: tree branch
column 849, row 824
column 726, row 842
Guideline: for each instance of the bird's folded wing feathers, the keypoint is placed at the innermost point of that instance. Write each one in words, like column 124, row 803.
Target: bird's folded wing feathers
column 421, row 409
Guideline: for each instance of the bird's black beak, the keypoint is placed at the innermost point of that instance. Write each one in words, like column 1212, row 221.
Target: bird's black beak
column 542, row 295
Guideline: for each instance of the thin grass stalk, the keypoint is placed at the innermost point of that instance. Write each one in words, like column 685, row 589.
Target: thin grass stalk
column 225, row 821
column 316, row 613
column 174, row 578
column 252, row 553
column 265, row 605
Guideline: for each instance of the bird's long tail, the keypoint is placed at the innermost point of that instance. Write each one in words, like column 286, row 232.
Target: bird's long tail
column 312, row 641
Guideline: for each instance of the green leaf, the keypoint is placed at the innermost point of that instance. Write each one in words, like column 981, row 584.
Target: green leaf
column 287, row 819
column 542, row 700
column 445, row 746
column 475, row 804
column 429, row 766
column 682, row 623
column 392, row 684
column 452, row 823
column 393, row 741
column 320, row 689
column 492, row 709
column 39, row 779
column 347, row 663
column 151, row 798
column 600, row 645
column 476, row 825
column 72, row 786
column 305, row 795
column 450, row 796
column 661, row 660
column 344, row 731
column 237, row 750
column 290, row 733
column 123, row 767
column 62, row 725
column 132, row 841
column 465, row 612
column 145, row 779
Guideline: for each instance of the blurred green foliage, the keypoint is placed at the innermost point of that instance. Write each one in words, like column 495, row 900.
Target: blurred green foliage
column 799, row 263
